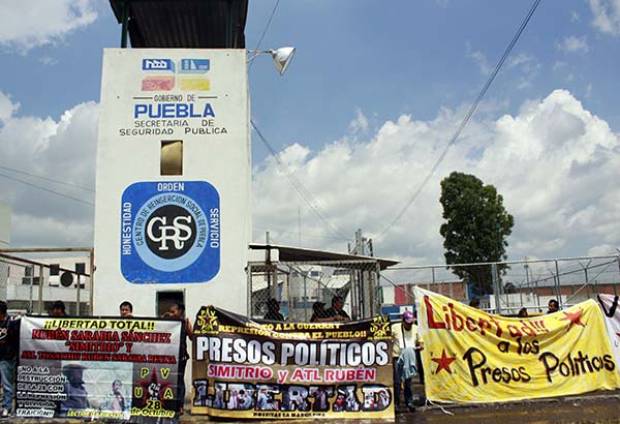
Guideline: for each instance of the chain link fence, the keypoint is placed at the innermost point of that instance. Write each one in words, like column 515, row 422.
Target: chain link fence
column 31, row 280
column 297, row 286
column 507, row 287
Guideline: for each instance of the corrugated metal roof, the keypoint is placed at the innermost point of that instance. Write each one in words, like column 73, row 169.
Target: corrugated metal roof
column 299, row 254
column 206, row 24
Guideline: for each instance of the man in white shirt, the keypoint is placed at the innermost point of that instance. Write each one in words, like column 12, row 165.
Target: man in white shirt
column 406, row 342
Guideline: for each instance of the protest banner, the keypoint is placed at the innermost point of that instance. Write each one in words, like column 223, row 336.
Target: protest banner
column 611, row 311
column 98, row 368
column 471, row 356
column 280, row 370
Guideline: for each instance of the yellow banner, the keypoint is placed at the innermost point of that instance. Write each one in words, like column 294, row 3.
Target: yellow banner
column 470, row 356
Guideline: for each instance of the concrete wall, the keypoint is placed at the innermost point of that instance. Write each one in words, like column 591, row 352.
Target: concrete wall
column 204, row 104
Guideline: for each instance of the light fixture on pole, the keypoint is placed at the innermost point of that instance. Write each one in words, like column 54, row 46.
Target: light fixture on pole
column 281, row 57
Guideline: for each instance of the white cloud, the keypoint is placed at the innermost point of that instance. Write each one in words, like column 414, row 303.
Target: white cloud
column 552, row 162
column 523, row 64
column 479, row 58
column 528, row 68
column 606, row 15
column 7, row 107
column 360, row 123
column 603, row 250
column 573, row 44
column 574, row 16
column 28, row 24
column 62, row 150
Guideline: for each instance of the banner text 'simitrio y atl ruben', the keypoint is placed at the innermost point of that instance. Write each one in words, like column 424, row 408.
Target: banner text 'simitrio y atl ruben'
column 471, row 356
column 246, row 369
column 99, row 368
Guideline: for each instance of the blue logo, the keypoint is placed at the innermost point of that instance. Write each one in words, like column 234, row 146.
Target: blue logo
column 170, row 232
column 194, row 66
column 157, row 65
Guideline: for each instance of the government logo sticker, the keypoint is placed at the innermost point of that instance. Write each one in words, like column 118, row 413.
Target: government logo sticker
column 170, row 232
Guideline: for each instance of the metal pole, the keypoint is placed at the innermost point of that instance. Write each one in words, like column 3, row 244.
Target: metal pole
column 92, row 282
column 125, row 18
column 615, row 291
column 268, row 260
column 557, row 280
column 40, row 288
column 498, row 307
column 77, row 306
column 249, row 291
column 379, row 292
column 428, row 287
column 30, row 310
column 305, row 297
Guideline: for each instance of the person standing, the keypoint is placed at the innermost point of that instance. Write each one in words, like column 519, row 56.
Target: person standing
column 404, row 349
column 58, row 309
column 336, row 312
column 9, row 338
column 177, row 311
column 126, row 309
column 273, row 311
column 553, row 306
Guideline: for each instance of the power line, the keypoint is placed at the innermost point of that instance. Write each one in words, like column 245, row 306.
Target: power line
column 273, row 12
column 298, row 186
column 267, row 25
column 463, row 124
column 18, row 171
column 86, row 202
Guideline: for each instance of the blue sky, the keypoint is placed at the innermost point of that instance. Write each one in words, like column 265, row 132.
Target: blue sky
column 385, row 59
column 365, row 73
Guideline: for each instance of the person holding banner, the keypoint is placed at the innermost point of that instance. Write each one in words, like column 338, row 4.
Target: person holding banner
column 126, row 309
column 58, row 309
column 177, row 311
column 336, row 312
column 406, row 343
column 9, row 338
column 553, row 306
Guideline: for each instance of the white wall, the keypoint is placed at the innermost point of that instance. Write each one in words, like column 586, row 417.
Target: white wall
column 221, row 158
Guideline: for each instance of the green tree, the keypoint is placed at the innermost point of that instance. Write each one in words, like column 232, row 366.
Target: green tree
column 475, row 229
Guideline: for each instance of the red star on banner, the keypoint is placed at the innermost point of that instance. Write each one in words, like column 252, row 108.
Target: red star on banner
column 574, row 318
column 443, row 362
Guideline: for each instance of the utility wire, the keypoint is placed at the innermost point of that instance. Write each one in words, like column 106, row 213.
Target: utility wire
column 9, row 177
column 471, row 111
column 52, row 180
column 267, row 25
column 298, row 186
column 273, row 12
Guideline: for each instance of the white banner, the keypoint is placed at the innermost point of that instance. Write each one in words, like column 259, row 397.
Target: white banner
column 611, row 310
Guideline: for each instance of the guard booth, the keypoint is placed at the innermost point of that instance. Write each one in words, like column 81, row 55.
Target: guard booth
column 172, row 215
column 297, row 278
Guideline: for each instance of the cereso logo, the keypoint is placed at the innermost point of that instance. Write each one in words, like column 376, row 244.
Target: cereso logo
column 170, row 232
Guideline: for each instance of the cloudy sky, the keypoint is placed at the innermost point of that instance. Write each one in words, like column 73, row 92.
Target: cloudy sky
column 372, row 98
